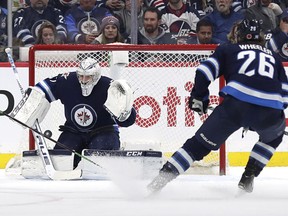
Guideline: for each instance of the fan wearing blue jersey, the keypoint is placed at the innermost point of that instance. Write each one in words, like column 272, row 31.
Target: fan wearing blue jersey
column 27, row 21
column 84, row 21
column 95, row 106
column 255, row 95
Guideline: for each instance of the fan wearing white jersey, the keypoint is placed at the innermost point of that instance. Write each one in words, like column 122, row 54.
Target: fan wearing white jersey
column 95, row 106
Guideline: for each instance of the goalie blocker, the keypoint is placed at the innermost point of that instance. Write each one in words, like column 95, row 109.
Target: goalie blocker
column 142, row 164
column 32, row 106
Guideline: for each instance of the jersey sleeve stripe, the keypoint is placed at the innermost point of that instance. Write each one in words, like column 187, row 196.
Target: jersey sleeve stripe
column 254, row 96
column 45, row 88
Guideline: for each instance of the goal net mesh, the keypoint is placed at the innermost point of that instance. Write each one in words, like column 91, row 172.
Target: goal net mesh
column 161, row 78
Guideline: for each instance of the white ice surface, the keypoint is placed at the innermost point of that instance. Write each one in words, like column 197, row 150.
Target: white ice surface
column 191, row 195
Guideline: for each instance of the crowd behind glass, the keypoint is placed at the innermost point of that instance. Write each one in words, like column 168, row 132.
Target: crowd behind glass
column 158, row 22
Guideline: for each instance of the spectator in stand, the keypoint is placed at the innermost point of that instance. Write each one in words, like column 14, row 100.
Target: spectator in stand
column 26, row 21
column 111, row 5
column 204, row 31
column 47, row 34
column 202, row 6
column 124, row 16
column 180, row 19
column 223, row 18
column 232, row 35
column 152, row 32
column 3, row 33
column 3, row 26
column 279, row 40
column 266, row 12
column 63, row 5
column 109, row 31
column 159, row 4
column 84, row 21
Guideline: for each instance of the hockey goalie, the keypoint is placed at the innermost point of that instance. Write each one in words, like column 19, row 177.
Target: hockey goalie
column 95, row 106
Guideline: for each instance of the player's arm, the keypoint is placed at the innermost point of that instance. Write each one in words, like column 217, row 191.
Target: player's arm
column 207, row 72
column 119, row 102
column 52, row 87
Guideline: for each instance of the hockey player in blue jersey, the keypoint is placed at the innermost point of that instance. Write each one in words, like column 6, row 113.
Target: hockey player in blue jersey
column 255, row 96
column 95, row 106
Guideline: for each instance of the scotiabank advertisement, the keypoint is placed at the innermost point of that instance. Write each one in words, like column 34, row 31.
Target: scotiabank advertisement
column 163, row 122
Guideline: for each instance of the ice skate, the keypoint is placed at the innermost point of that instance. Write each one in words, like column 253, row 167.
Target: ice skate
column 246, row 183
column 166, row 174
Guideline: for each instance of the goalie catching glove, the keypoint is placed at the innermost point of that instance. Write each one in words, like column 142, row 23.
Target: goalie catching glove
column 32, row 106
column 198, row 105
column 120, row 100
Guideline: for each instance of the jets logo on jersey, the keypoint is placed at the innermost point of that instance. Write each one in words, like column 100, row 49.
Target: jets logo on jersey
column 83, row 116
column 65, row 75
column 285, row 50
column 181, row 28
column 36, row 26
column 91, row 26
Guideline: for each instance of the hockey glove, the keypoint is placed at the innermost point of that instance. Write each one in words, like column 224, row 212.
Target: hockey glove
column 198, row 106
column 119, row 102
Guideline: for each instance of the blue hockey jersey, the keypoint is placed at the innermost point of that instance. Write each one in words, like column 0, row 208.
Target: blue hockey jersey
column 26, row 22
column 3, row 26
column 81, row 23
column 253, row 74
column 84, row 114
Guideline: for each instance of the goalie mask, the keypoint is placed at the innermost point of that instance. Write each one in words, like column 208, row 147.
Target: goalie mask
column 88, row 73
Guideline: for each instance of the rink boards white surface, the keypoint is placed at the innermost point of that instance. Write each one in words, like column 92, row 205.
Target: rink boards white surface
column 187, row 195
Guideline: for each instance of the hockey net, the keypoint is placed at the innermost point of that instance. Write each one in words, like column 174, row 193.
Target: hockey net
column 161, row 76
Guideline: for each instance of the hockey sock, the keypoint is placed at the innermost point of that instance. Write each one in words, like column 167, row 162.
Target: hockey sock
column 259, row 157
column 192, row 150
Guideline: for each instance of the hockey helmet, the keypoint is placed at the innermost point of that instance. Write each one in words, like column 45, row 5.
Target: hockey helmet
column 88, row 73
column 249, row 30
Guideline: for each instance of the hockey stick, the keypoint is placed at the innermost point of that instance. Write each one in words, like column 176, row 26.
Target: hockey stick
column 41, row 144
column 38, row 132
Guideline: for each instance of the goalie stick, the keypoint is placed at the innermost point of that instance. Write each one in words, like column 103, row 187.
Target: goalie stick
column 39, row 138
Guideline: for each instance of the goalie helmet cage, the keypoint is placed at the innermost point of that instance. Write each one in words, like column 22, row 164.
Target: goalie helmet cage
column 161, row 76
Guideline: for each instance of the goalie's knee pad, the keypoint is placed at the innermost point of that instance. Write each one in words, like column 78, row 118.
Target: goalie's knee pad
column 32, row 106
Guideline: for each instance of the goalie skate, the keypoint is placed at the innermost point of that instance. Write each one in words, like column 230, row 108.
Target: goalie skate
column 246, row 183
column 166, row 174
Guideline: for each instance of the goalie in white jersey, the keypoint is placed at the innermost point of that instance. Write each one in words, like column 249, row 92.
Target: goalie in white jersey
column 95, row 106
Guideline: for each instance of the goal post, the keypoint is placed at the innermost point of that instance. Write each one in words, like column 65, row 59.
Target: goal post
column 161, row 77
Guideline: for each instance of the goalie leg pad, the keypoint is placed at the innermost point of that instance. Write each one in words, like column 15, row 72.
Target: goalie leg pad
column 32, row 166
column 33, row 106
column 120, row 100
column 137, row 164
